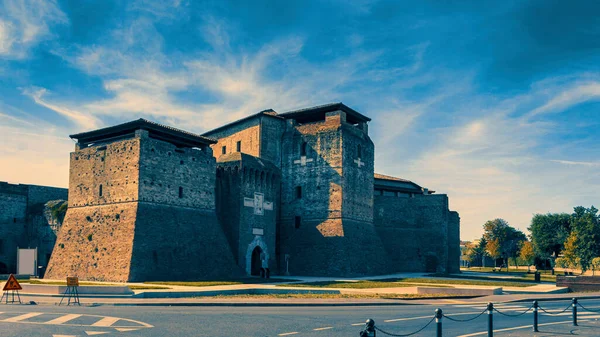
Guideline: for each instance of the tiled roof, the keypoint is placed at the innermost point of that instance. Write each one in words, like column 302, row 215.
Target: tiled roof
column 351, row 114
column 268, row 112
column 384, row 177
column 144, row 124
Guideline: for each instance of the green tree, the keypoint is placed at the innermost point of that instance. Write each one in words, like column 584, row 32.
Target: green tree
column 584, row 240
column 549, row 232
column 476, row 252
column 595, row 265
column 526, row 254
column 493, row 249
column 508, row 238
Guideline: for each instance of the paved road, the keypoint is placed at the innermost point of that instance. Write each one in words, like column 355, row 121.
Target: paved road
column 53, row 321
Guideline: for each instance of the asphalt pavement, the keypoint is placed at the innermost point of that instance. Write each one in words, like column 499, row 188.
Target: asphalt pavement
column 321, row 321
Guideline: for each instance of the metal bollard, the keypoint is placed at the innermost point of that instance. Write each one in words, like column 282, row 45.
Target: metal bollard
column 535, row 316
column 369, row 330
column 574, row 302
column 490, row 308
column 438, row 322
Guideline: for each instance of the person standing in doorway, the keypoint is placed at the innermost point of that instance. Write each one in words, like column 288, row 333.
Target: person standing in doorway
column 265, row 266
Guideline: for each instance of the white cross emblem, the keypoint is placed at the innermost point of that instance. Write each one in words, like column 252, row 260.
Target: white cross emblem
column 302, row 161
column 258, row 203
column 359, row 163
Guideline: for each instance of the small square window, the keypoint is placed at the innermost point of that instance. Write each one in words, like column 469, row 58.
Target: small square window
column 297, row 221
column 223, row 149
column 238, row 146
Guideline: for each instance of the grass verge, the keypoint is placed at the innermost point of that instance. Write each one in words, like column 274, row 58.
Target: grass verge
column 220, row 283
column 339, row 296
column 407, row 282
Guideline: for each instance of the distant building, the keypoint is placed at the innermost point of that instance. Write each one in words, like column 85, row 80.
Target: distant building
column 148, row 201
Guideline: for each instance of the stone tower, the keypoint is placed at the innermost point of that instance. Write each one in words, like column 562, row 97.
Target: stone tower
column 326, row 219
column 141, row 207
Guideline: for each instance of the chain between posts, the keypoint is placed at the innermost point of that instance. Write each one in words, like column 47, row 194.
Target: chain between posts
column 517, row 315
column 535, row 307
column 465, row 320
column 586, row 309
column 406, row 335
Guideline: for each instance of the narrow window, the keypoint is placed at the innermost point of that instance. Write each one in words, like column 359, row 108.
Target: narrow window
column 224, row 150
column 100, row 190
column 180, row 192
column 14, row 220
column 359, row 151
column 1, row 246
column 303, row 149
column 181, row 162
column 297, row 221
column 298, row 192
column 238, row 146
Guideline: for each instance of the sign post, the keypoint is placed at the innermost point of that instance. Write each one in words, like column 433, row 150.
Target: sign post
column 71, row 293
column 13, row 286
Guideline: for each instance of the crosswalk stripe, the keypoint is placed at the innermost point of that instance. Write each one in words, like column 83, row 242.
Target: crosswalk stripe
column 106, row 321
column 22, row 317
column 288, row 333
column 325, row 328
column 63, row 319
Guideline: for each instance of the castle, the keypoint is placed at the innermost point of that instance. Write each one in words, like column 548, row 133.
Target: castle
column 151, row 202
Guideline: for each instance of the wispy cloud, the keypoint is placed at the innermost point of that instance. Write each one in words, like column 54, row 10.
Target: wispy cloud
column 577, row 163
column 83, row 120
column 23, row 23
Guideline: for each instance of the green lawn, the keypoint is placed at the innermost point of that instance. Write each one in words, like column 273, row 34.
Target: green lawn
column 219, row 282
column 342, row 296
column 407, row 282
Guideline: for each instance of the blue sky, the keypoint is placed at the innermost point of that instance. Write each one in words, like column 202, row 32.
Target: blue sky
column 494, row 103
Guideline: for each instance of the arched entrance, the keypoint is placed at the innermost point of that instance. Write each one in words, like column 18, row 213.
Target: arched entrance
column 256, row 262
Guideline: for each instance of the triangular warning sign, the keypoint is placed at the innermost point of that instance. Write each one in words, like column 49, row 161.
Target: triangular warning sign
column 12, row 284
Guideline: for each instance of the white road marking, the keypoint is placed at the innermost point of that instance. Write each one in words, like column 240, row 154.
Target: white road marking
column 92, row 333
column 106, row 321
column 21, row 317
column 357, row 324
column 103, row 321
column 64, row 336
column 288, row 333
column 127, row 329
column 63, row 319
column 325, row 328
column 516, row 328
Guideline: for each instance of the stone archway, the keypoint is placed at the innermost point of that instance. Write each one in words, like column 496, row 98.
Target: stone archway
column 257, row 242
column 256, row 262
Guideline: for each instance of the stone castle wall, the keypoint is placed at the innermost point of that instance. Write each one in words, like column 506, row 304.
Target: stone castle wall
column 245, row 226
column 164, row 169
column 13, row 203
column 248, row 132
column 453, row 243
column 95, row 243
column 358, row 175
column 414, row 230
column 22, row 221
column 113, row 166
column 142, row 226
column 329, row 240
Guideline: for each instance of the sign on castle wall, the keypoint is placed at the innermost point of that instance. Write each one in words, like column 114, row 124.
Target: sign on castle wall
column 258, row 203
